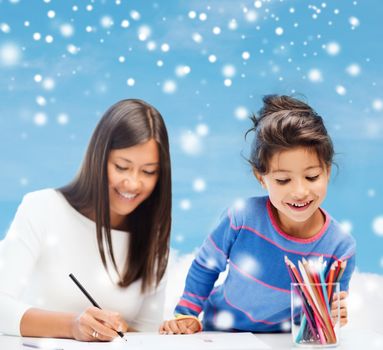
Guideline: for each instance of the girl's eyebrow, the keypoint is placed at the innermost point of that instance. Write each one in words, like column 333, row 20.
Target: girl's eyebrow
column 289, row 171
column 129, row 161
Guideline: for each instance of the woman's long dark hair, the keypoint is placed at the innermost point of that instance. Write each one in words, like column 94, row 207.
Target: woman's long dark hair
column 127, row 123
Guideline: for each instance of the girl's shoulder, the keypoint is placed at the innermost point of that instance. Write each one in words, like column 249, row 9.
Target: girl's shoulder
column 248, row 207
column 341, row 234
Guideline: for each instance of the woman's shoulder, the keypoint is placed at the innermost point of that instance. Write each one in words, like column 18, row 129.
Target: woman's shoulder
column 46, row 195
column 42, row 201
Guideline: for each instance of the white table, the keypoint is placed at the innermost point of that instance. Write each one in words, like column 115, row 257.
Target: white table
column 351, row 339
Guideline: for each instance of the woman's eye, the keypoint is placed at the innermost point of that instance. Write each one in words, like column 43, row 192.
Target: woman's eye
column 153, row 172
column 282, row 182
column 120, row 168
column 312, row 178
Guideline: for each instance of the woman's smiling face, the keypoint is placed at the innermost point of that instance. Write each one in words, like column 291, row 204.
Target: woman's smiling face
column 132, row 175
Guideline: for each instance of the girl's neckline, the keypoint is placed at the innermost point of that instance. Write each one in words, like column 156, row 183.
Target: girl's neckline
column 297, row 239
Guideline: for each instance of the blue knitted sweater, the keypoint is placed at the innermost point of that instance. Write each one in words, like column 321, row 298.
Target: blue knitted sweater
column 255, row 295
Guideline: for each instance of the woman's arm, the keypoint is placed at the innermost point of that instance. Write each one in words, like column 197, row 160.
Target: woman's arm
column 19, row 253
column 91, row 325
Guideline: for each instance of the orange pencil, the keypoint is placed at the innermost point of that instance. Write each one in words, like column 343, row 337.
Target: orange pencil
column 330, row 278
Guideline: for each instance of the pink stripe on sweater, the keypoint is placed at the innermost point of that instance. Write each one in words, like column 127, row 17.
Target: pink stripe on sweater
column 252, row 230
column 216, row 247
column 251, row 318
column 327, row 223
column 190, row 305
column 257, row 280
column 195, row 296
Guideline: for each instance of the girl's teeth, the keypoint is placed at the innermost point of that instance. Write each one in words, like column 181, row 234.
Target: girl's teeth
column 299, row 205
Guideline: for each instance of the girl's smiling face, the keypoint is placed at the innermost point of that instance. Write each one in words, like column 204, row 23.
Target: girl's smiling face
column 297, row 185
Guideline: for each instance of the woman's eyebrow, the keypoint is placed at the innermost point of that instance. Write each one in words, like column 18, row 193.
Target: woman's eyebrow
column 129, row 161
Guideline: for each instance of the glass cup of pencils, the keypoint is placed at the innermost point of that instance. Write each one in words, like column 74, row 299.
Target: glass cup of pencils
column 313, row 321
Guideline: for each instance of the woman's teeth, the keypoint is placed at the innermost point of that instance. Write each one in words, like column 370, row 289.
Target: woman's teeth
column 127, row 195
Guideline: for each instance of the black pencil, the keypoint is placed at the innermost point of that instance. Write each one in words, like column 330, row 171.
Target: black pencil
column 94, row 303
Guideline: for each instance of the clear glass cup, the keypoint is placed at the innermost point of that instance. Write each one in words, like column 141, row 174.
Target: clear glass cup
column 312, row 322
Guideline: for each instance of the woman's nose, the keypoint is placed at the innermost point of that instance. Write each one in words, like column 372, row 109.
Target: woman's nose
column 132, row 182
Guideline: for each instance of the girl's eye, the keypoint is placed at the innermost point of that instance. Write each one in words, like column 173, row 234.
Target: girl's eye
column 312, row 178
column 282, row 182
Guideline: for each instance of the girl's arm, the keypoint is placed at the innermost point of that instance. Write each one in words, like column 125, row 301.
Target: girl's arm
column 210, row 261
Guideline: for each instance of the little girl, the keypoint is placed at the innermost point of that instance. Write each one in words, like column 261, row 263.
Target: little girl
column 291, row 157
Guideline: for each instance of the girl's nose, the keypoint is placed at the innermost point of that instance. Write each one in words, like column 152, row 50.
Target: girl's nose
column 300, row 190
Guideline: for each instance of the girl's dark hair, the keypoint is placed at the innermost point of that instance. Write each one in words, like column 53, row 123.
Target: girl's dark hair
column 283, row 123
column 127, row 123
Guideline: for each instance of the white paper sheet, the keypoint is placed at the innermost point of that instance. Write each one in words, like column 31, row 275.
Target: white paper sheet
column 155, row 341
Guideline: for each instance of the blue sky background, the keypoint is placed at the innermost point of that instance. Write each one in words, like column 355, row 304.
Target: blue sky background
column 205, row 65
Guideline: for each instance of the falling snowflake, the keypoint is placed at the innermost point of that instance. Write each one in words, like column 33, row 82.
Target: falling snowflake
column 169, row 87
column 10, row 54
column 185, row 204
column 377, row 225
column 315, row 75
column 191, row 143
column 199, row 185
column 241, row 113
column 224, row 320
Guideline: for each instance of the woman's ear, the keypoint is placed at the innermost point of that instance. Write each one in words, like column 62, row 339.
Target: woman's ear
column 259, row 177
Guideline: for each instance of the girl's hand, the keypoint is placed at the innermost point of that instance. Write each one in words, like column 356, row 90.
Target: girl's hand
column 181, row 325
column 343, row 307
column 98, row 325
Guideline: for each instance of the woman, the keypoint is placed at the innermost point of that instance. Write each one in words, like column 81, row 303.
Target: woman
column 110, row 227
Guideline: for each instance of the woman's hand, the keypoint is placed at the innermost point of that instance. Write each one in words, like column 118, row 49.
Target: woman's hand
column 98, row 325
column 181, row 325
column 343, row 307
